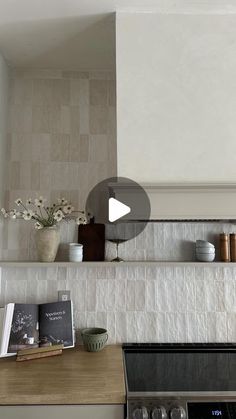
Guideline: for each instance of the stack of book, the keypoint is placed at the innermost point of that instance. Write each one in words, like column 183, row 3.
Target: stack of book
column 32, row 326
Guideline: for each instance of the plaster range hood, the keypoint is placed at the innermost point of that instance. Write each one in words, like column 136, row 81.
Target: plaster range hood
column 176, row 112
column 184, row 201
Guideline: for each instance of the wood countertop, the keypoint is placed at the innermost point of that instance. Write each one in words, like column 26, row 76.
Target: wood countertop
column 76, row 377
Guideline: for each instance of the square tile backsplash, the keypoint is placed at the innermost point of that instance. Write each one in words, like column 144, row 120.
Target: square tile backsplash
column 61, row 133
column 61, row 142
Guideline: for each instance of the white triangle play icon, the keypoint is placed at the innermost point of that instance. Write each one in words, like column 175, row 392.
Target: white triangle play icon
column 117, row 209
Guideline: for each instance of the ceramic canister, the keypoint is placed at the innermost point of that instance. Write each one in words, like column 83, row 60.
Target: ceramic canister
column 75, row 252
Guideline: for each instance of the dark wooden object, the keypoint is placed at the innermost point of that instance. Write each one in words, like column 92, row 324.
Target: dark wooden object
column 36, row 353
column 92, row 237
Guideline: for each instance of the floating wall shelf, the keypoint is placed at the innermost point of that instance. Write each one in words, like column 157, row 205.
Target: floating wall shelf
column 15, row 264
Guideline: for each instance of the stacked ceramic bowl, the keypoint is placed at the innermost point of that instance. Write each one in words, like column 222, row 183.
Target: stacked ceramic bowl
column 205, row 251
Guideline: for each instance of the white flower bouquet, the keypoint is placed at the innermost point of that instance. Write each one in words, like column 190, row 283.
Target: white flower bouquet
column 45, row 216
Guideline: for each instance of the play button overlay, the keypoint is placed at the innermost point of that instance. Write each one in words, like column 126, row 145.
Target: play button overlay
column 122, row 205
column 117, row 210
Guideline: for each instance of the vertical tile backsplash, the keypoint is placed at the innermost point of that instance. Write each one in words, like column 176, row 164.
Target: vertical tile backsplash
column 153, row 304
column 141, row 303
column 61, row 142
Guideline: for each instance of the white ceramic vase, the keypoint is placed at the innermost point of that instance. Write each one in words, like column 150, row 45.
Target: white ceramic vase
column 47, row 242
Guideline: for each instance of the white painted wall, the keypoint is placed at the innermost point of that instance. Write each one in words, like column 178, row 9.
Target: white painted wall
column 176, row 97
column 3, row 123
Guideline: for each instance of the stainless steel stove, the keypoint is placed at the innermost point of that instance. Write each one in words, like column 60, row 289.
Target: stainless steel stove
column 180, row 381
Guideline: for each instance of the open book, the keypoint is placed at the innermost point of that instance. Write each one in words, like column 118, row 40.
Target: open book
column 33, row 325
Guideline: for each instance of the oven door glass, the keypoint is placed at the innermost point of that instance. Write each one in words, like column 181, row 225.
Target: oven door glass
column 224, row 410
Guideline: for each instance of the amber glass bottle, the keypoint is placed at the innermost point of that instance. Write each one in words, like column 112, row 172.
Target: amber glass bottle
column 224, row 247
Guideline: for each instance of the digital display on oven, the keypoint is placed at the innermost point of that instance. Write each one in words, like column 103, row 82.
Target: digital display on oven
column 212, row 410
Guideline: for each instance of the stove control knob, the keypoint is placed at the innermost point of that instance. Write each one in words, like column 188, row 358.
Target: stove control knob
column 159, row 413
column 178, row 412
column 140, row 413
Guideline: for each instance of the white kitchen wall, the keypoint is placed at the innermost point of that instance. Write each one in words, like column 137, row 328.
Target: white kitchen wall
column 142, row 303
column 176, row 97
column 136, row 303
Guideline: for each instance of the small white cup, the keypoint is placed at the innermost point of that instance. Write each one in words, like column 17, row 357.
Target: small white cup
column 75, row 252
column 30, row 340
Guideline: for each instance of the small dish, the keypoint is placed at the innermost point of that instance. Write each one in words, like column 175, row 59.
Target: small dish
column 206, row 250
column 205, row 257
column 204, row 243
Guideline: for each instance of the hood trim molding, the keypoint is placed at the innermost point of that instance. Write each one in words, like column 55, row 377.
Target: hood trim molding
column 187, row 201
column 192, row 201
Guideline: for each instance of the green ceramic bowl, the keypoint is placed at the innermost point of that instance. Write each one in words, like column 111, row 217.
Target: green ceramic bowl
column 94, row 338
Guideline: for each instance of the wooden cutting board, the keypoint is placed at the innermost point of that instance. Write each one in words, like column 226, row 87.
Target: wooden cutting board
column 92, row 237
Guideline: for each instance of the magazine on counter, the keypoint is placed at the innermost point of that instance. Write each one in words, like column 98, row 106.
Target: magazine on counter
column 35, row 325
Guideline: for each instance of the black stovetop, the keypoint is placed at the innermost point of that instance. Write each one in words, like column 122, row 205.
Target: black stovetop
column 180, row 367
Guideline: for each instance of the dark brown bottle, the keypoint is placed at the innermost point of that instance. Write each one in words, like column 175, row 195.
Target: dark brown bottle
column 233, row 247
column 224, row 247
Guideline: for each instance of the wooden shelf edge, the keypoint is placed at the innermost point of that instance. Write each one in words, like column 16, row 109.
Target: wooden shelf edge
column 31, row 264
